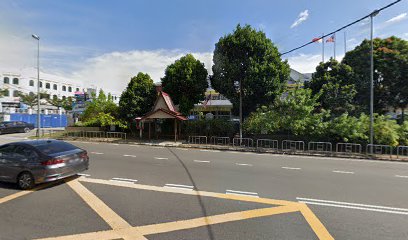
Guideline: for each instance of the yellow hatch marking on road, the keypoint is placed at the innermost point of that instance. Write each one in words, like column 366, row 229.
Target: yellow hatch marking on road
column 122, row 230
column 216, row 219
column 196, row 193
column 22, row 193
column 318, row 227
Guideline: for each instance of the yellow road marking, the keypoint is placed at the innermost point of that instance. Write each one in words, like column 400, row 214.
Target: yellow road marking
column 216, row 219
column 179, row 225
column 22, row 193
column 317, row 226
column 121, row 229
column 105, row 212
column 196, row 193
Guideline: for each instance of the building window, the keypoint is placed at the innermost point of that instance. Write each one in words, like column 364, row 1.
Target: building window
column 40, row 84
column 55, row 87
column 31, row 83
column 15, row 81
column 47, row 85
column 16, row 93
column 69, row 89
column 6, row 80
column 115, row 98
column 77, row 89
column 6, row 93
column 64, row 88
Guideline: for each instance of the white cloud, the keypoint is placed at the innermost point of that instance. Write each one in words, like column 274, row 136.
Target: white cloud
column 303, row 16
column 305, row 63
column 112, row 71
column 398, row 18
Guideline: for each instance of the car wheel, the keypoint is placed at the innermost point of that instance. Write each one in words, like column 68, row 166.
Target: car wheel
column 25, row 181
column 26, row 130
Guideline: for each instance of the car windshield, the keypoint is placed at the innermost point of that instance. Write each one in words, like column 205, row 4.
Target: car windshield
column 55, row 147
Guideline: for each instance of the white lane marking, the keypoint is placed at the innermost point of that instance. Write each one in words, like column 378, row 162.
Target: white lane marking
column 97, row 153
column 179, row 186
column 83, row 174
column 124, row 180
column 351, row 204
column 382, row 209
column 244, row 164
column 161, row 158
column 158, row 147
column 345, row 172
column 205, row 150
column 401, row 176
column 115, row 144
column 183, row 149
column 127, row 155
column 235, row 192
column 291, row 168
column 200, row 161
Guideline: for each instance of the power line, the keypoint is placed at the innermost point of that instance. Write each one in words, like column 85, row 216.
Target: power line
column 375, row 12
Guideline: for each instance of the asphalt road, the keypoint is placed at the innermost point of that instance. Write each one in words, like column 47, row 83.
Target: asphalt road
column 142, row 186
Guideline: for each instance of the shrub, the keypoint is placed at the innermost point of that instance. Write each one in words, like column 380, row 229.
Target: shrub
column 214, row 127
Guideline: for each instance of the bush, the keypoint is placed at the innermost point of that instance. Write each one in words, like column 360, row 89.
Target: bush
column 346, row 128
column 204, row 127
column 103, row 120
column 403, row 134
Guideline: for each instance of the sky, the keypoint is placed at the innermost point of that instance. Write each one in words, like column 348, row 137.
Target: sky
column 104, row 43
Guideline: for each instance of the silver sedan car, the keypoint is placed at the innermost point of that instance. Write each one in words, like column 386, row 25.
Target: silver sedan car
column 31, row 162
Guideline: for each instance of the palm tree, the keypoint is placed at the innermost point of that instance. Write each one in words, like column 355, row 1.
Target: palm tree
column 55, row 101
column 28, row 99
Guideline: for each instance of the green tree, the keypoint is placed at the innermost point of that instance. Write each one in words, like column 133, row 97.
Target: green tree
column 55, row 101
column 248, row 57
column 335, row 83
column 390, row 73
column 28, row 99
column 99, row 104
column 138, row 97
column 345, row 128
column 294, row 114
column 186, row 81
column 404, row 133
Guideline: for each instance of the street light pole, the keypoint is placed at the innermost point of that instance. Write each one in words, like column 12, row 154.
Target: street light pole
column 38, row 84
column 240, row 109
column 373, row 14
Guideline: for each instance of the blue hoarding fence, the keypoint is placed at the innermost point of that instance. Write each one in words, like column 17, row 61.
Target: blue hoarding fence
column 47, row 121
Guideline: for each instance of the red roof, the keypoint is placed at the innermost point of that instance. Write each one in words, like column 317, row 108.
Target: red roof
column 174, row 114
column 168, row 101
column 170, row 105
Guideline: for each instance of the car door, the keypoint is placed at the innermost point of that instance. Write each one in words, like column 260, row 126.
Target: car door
column 6, row 155
column 17, row 162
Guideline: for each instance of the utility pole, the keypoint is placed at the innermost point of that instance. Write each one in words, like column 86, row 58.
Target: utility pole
column 38, row 84
column 240, row 109
column 373, row 14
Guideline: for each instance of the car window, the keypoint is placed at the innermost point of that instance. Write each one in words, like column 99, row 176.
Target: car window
column 24, row 153
column 55, row 147
column 7, row 151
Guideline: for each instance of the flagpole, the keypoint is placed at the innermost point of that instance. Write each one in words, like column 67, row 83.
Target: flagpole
column 334, row 46
column 345, row 44
column 323, row 47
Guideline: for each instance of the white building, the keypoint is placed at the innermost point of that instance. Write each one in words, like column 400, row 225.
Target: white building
column 25, row 81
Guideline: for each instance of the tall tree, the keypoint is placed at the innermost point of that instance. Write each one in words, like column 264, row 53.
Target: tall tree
column 28, row 99
column 335, row 84
column 138, row 97
column 186, row 81
column 248, row 57
column 390, row 73
column 99, row 104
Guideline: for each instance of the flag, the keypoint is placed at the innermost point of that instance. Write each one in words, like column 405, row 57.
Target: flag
column 208, row 98
column 317, row 40
column 331, row 38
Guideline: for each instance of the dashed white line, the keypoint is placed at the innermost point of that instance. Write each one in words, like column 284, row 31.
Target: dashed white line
column 401, row 176
column 235, row 192
column 97, row 153
column 358, row 206
column 127, row 155
column 205, row 150
column 345, row 172
column 244, row 164
column 115, row 144
column 201, row 161
column 291, row 168
column 179, row 186
column 83, row 174
column 183, row 149
column 123, row 180
column 161, row 158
